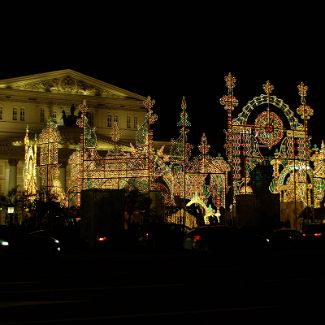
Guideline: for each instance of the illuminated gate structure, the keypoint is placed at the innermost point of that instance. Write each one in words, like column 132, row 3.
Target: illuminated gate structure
column 266, row 131
column 174, row 175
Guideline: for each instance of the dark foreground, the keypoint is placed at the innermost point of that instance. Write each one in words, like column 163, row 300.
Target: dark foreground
column 148, row 288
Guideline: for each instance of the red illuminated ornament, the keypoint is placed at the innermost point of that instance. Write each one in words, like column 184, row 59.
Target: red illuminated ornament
column 269, row 128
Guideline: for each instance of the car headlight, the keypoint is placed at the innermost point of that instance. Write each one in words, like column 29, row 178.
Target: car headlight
column 4, row 242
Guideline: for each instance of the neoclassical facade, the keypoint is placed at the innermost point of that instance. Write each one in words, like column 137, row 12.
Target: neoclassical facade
column 28, row 102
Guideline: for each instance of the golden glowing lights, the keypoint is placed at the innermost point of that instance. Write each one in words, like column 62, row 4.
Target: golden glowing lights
column 268, row 88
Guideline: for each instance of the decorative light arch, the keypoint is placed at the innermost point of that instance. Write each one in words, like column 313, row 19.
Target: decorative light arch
column 265, row 99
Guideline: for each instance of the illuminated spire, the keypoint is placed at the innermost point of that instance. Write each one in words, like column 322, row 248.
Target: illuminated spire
column 183, row 121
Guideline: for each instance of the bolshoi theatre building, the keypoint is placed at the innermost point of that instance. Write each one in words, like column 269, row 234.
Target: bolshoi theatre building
column 28, row 102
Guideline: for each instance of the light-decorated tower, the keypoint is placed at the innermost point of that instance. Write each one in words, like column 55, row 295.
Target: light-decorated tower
column 30, row 167
column 229, row 102
column 180, row 154
column 48, row 141
column 318, row 159
column 305, row 112
column 151, row 118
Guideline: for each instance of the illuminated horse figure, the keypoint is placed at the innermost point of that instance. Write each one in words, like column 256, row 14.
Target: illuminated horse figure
column 208, row 211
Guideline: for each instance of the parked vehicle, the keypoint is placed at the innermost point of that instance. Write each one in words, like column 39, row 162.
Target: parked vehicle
column 4, row 245
column 223, row 239
column 162, row 236
column 18, row 243
column 285, row 238
column 69, row 238
column 314, row 234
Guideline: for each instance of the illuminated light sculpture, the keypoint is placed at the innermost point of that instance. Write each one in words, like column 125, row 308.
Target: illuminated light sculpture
column 293, row 176
column 202, row 174
column 117, row 169
column 256, row 136
column 173, row 174
column 318, row 159
column 229, row 102
column 30, row 167
column 208, row 210
column 208, row 176
column 151, row 119
column 49, row 165
column 180, row 153
column 116, row 135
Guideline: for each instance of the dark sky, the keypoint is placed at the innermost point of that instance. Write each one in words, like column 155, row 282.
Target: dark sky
column 168, row 50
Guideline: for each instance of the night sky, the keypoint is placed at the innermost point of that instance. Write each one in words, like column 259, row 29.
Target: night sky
column 167, row 51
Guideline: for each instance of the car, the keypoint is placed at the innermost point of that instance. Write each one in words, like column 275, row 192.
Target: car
column 314, row 234
column 162, row 236
column 16, row 242
column 285, row 238
column 4, row 245
column 223, row 239
column 69, row 239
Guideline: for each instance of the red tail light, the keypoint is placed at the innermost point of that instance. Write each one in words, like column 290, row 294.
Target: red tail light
column 317, row 234
column 197, row 237
column 104, row 238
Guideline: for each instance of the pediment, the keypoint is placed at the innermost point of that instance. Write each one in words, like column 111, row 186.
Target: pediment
column 67, row 82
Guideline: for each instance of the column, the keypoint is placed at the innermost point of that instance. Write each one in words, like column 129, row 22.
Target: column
column 62, row 177
column 12, row 174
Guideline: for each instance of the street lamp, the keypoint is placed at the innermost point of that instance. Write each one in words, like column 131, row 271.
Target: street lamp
column 10, row 211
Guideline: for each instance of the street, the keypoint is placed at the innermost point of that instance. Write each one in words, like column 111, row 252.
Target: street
column 125, row 288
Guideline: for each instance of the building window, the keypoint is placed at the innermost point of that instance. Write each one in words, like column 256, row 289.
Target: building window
column 109, row 120
column 54, row 115
column 128, row 122
column 42, row 115
column 22, row 114
column 1, row 112
column 14, row 114
column 135, row 122
column 116, row 119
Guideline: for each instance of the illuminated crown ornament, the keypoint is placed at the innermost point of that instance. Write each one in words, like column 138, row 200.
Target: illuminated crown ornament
column 144, row 130
column 148, row 104
column 304, row 110
column 268, row 88
column 230, row 81
column 204, row 147
column 229, row 101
